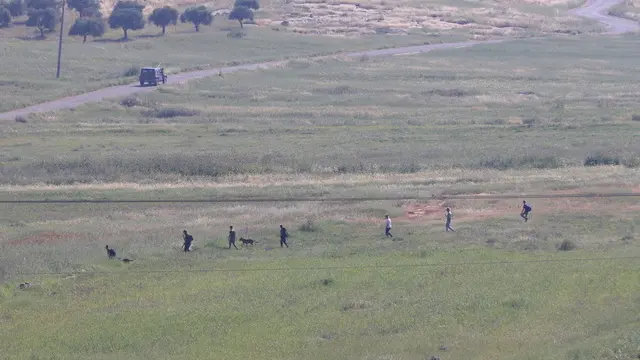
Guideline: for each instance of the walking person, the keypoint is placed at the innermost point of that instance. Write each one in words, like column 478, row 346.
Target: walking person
column 283, row 236
column 387, row 226
column 232, row 238
column 449, row 217
column 188, row 239
column 526, row 209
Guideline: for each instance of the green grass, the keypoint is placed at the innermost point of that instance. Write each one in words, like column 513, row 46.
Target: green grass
column 516, row 105
column 517, row 118
column 29, row 66
column 342, row 291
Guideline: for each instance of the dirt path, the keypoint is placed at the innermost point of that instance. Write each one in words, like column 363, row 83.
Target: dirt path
column 594, row 9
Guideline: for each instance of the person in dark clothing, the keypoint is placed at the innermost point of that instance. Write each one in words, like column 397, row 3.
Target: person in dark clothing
column 449, row 217
column 232, row 238
column 283, row 236
column 387, row 226
column 188, row 239
column 526, row 209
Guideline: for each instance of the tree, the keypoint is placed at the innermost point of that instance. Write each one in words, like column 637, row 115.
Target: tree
column 164, row 16
column 43, row 19
column 127, row 15
column 241, row 13
column 87, row 26
column 5, row 17
column 16, row 7
column 42, row 4
column 197, row 15
column 86, row 8
column 128, row 5
column 251, row 4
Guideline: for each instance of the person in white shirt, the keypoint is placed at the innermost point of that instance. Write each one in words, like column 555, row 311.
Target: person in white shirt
column 387, row 228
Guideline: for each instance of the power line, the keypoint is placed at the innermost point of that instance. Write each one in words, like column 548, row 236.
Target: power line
column 343, row 267
column 323, row 199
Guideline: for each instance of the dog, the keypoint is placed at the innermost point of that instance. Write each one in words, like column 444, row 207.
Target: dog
column 110, row 252
column 247, row 241
column 125, row 260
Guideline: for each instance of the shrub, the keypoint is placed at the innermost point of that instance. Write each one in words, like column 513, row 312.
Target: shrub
column 236, row 34
column 170, row 112
column 600, row 159
column 448, row 92
column 530, row 161
column 308, row 226
column 632, row 162
column 131, row 71
column 567, row 245
column 130, row 101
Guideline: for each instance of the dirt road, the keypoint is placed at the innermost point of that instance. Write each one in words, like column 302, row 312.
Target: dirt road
column 594, row 9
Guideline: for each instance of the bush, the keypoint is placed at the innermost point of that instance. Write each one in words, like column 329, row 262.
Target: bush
column 531, row 162
column 131, row 71
column 600, row 159
column 632, row 162
column 170, row 112
column 308, row 226
column 236, row 34
column 448, row 92
column 130, row 101
column 567, row 245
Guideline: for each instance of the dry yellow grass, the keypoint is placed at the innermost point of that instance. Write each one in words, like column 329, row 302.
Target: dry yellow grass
column 564, row 177
column 353, row 18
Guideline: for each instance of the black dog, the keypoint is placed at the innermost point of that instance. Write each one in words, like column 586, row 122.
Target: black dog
column 112, row 255
column 110, row 252
column 247, row 241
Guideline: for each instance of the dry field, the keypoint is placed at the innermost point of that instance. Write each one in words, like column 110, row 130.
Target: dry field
column 629, row 9
column 480, row 19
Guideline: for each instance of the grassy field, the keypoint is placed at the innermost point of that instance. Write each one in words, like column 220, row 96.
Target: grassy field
column 29, row 65
column 520, row 118
column 342, row 290
column 629, row 9
column 494, row 107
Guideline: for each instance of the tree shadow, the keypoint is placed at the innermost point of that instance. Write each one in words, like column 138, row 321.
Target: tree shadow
column 149, row 36
column 33, row 37
column 120, row 40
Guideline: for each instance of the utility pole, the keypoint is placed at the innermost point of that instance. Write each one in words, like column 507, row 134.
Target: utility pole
column 60, row 40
